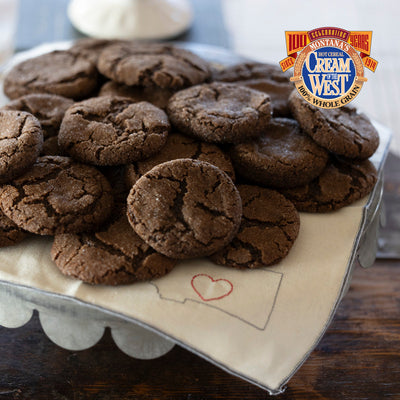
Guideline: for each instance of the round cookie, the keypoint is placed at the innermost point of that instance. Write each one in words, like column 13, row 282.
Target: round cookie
column 113, row 256
column 112, row 130
column 21, row 141
column 342, row 131
column 10, row 234
column 340, row 184
column 57, row 195
column 152, row 64
column 59, row 72
column 185, row 208
column 220, row 112
column 270, row 225
column 283, row 156
column 49, row 109
column 179, row 146
column 154, row 95
column 267, row 78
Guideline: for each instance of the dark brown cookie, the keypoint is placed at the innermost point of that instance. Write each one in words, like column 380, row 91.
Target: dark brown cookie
column 57, row 195
column 342, row 131
column 340, row 184
column 49, row 109
column 90, row 48
column 185, row 208
column 21, row 141
column 179, row 146
column 152, row 64
column 113, row 256
column 51, row 147
column 154, row 95
column 220, row 112
column 282, row 157
column 112, row 130
column 269, row 227
column 267, row 78
column 59, row 72
column 10, row 234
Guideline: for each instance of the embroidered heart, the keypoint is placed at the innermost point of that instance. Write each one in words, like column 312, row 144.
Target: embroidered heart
column 209, row 289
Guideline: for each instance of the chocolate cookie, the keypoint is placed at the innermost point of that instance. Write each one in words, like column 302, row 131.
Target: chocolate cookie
column 59, row 72
column 179, row 146
column 220, row 112
column 283, row 156
column 112, row 130
column 154, row 95
column 185, row 208
column 10, row 234
column 49, row 109
column 152, row 64
column 342, row 131
column 113, row 256
column 269, row 227
column 21, row 140
column 57, row 195
column 267, row 78
column 340, row 184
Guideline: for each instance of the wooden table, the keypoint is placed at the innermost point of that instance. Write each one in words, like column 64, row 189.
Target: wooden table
column 358, row 358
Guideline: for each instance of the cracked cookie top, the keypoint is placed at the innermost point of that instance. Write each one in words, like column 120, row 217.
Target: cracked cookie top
column 180, row 146
column 57, row 195
column 113, row 131
column 340, row 184
column 152, row 64
column 270, row 225
column 21, row 141
column 220, row 112
column 185, row 208
column 49, row 109
column 59, row 72
column 115, row 255
column 342, row 131
column 283, row 156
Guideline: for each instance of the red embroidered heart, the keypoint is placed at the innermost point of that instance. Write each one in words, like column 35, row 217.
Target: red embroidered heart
column 218, row 291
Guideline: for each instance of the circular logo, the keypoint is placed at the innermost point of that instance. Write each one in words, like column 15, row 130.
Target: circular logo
column 328, row 73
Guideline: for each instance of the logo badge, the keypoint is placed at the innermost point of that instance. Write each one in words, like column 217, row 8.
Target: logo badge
column 328, row 64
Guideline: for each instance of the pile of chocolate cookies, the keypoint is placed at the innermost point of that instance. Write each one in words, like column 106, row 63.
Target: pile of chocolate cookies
column 136, row 155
